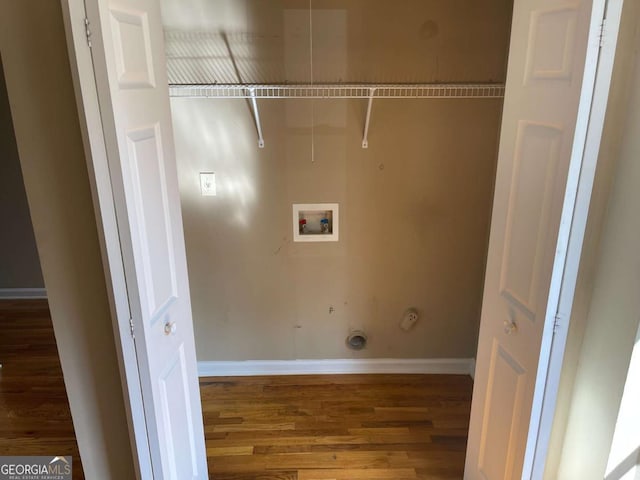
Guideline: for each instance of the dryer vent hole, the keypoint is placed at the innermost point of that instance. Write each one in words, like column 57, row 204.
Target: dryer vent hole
column 357, row 341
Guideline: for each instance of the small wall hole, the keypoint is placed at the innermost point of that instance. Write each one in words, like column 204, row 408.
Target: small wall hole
column 357, row 340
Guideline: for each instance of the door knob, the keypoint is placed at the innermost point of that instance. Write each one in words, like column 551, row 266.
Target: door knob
column 170, row 328
column 510, row 326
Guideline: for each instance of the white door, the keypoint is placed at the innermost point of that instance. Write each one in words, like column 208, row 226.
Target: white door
column 548, row 47
column 129, row 64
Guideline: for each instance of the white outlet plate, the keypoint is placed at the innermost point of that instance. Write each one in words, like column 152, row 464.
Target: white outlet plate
column 208, row 184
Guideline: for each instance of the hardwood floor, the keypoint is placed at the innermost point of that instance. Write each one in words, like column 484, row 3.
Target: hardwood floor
column 315, row 427
column 34, row 410
column 323, row 427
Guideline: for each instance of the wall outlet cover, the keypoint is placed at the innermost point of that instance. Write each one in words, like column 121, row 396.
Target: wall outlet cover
column 208, row 184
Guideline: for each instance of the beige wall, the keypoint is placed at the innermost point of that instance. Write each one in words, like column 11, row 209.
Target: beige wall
column 51, row 154
column 414, row 206
column 607, row 306
column 19, row 263
column 377, row 41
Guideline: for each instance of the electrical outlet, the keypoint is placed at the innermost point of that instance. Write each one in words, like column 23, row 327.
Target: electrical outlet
column 208, row 184
column 409, row 319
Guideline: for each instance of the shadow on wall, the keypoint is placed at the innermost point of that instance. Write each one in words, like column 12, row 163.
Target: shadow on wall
column 19, row 262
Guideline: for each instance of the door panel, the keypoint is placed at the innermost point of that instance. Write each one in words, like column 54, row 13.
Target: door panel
column 132, row 48
column 128, row 57
column 549, row 40
column 149, row 197
column 175, row 396
column 502, row 409
column 550, row 51
column 534, row 172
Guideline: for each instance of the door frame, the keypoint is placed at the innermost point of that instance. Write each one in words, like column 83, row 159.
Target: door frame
column 594, row 97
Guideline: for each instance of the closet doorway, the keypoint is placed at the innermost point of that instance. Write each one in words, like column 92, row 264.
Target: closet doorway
column 530, row 139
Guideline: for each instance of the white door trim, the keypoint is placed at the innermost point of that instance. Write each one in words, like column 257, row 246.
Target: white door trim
column 584, row 157
column 84, row 81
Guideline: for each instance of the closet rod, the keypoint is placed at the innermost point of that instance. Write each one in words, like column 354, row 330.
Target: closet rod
column 253, row 91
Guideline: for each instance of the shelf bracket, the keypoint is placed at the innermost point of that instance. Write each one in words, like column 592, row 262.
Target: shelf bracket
column 256, row 116
column 365, row 141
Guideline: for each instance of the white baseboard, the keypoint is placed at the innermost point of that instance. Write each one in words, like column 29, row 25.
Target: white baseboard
column 455, row 366
column 22, row 293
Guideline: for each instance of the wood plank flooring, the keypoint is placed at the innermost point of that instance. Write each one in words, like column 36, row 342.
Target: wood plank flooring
column 335, row 427
column 316, row 427
column 34, row 410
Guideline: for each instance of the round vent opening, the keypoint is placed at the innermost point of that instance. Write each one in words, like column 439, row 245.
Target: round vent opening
column 357, row 340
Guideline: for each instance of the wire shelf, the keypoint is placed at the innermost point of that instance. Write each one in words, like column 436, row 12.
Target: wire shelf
column 434, row 90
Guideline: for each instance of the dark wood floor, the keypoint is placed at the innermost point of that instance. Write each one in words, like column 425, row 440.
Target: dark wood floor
column 342, row 427
column 34, row 410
